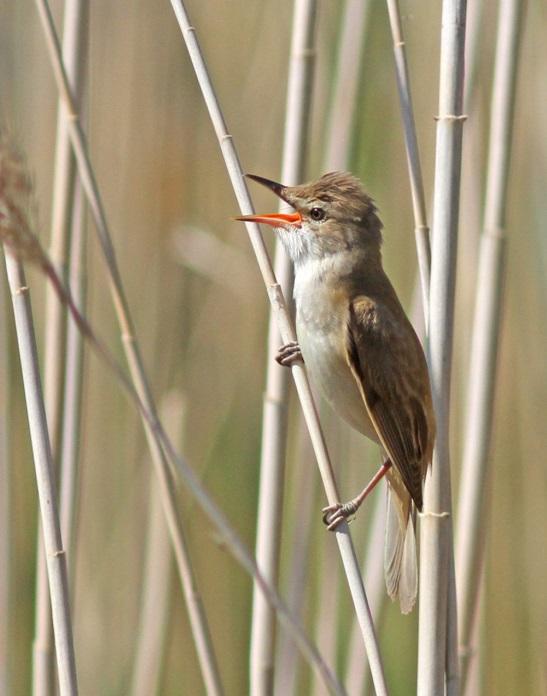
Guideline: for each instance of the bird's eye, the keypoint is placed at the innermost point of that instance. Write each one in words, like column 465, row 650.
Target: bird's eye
column 317, row 214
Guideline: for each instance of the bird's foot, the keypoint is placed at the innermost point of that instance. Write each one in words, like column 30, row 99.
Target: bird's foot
column 334, row 514
column 289, row 354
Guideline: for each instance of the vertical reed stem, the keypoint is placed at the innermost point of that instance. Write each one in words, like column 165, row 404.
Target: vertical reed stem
column 54, row 355
column 351, row 46
column 155, row 594
column 70, row 439
column 486, row 327
column 436, row 519
column 5, row 525
column 274, row 425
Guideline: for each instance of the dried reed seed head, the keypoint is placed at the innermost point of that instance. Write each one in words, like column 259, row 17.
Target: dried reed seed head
column 16, row 204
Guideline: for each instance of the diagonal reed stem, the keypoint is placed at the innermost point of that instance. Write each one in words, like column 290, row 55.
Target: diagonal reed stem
column 45, row 480
column 274, row 425
column 287, row 332
column 436, row 522
column 421, row 227
column 472, row 504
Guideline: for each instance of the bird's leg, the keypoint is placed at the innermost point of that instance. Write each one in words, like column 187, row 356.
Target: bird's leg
column 334, row 514
column 289, row 354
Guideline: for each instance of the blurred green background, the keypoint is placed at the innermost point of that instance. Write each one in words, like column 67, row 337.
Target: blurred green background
column 201, row 314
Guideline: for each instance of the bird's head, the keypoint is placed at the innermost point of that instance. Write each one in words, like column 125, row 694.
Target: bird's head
column 332, row 214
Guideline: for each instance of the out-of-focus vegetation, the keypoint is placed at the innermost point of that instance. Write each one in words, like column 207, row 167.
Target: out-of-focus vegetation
column 204, row 333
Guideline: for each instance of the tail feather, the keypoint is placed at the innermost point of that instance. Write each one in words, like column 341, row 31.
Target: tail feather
column 400, row 559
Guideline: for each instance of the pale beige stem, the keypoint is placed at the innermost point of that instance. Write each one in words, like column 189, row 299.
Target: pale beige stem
column 274, row 423
column 5, row 526
column 436, row 520
column 421, row 227
column 75, row 18
column 155, row 596
column 45, row 480
column 473, row 504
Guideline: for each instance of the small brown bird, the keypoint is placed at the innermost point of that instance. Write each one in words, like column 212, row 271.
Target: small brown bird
column 360, row 348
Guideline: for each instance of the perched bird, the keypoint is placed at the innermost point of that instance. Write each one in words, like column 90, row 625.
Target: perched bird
column 360, row 349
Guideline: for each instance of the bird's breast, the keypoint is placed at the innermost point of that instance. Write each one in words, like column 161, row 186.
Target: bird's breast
column 321, row 317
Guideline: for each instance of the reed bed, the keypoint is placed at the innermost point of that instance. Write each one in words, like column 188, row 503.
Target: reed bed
column 201, row 317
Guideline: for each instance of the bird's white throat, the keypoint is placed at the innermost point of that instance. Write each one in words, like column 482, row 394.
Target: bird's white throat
column 300, row 243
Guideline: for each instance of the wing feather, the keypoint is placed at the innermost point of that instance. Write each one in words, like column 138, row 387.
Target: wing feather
column 387, row 361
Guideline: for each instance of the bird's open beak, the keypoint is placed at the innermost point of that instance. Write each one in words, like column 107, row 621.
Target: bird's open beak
column 273, row 219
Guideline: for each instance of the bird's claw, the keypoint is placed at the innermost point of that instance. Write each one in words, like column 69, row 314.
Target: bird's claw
column 289, row 354
column 333, row 515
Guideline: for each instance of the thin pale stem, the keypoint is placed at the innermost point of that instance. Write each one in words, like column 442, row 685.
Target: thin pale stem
column 54, row 354
column 305, row 502
column 412, row 153
column 436, row 519
column 5, row 526
column 155, row 596
column 287, row 332
column 452, row 666
column 357, row 671
column 326, row 623
column 274, row 427
column 70, row 437
column 47, row 494
column 486, row 327
column 154, row 604
column 349, row 61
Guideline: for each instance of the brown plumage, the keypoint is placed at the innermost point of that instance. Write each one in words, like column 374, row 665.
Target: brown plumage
column 360, row 348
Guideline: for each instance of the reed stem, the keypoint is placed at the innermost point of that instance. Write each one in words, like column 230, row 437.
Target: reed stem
column 47, row 493
column 473, row 504
column 274, row 425
column 421, row 227
column 5, row 526
column 75, row 20
column 70, row 436
column 351, row 46
column 436, row 520
column 155, row 595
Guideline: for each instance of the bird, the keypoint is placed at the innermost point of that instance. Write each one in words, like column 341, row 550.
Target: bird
column 360, row 349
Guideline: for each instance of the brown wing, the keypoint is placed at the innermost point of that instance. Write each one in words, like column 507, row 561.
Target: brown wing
column 387, row 360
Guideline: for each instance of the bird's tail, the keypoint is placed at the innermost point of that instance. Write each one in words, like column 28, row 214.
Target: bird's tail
column 400, row 559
